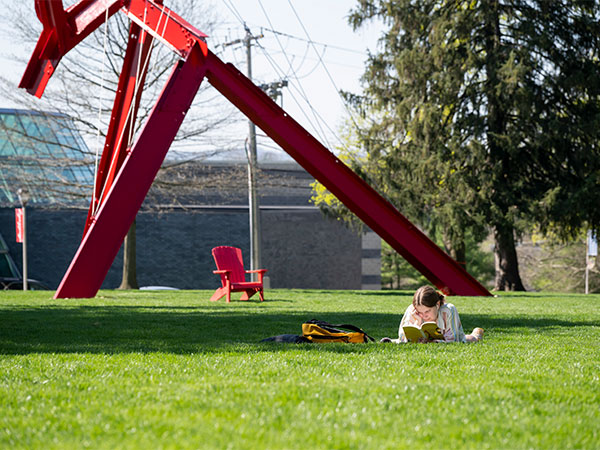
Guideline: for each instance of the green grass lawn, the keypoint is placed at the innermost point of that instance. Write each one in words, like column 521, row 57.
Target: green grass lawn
column 174, row 370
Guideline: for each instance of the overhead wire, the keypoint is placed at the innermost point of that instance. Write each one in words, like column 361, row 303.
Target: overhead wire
column 348, row 110
column 318, row 129
column 277, row 51
column 285, row 74
column 281, row 73
column 302, row 61
column 301, row 89
column 234, row 11
column 291, row 68
column 291, row 36
column 216, row 38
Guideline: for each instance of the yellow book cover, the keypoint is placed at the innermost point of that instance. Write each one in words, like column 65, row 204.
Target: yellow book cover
column 428, row 331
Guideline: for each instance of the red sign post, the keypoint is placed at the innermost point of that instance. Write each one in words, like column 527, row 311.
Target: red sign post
column 19, row 224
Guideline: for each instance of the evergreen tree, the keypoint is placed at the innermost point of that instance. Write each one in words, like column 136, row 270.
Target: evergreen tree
column 485, row 113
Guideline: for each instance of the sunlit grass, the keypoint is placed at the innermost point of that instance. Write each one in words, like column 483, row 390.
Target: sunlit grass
column 174, row 370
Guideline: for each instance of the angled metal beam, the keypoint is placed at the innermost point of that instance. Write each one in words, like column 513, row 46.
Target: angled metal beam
column 101, row 243
column 62, row 31
column 164, row 25
column 349, row 188
column 123, row 116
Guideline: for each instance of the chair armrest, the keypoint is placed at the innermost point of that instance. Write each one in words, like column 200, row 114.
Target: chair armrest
column 223, row 272
column 260, row 272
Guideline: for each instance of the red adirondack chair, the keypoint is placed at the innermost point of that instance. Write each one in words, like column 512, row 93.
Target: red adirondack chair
column 230, row 267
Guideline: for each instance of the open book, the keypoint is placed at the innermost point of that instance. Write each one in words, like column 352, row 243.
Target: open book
column 428, row 331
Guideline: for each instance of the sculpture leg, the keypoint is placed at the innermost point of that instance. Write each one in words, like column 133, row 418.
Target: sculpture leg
column 123, row 116
column 375, row 211
column 101, row 243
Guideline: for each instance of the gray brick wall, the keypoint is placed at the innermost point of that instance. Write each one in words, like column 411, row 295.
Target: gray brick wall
column 301, row 249
column 306, row 250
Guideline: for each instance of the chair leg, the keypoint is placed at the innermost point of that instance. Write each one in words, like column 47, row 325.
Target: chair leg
column 228, row 295
column 218, row 294
column 247, row 294
column 261, row 295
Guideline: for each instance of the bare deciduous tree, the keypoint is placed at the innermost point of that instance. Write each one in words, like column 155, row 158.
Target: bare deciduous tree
column 84, row 85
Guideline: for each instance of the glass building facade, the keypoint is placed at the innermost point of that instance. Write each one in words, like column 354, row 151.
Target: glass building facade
column 45, row 154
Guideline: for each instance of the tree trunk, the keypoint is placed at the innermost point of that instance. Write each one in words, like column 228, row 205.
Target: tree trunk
column 457, row 250
column 507, row 264
column 129, row 280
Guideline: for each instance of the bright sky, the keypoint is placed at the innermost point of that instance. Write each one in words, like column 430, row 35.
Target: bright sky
column 316, row 70
column 307, row 42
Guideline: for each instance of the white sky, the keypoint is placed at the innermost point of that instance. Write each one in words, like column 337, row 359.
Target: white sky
column 315, row 72
column 311, row 97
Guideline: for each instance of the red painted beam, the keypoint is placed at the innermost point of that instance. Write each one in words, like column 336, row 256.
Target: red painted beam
column 123, row 116
column 101, row 243
column 341, row 181
column 62, row 31
column 165, row 26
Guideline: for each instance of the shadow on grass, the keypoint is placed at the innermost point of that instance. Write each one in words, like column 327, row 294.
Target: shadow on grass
column 123, row 329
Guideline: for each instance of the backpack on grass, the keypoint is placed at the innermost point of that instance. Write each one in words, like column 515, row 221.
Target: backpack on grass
column 322, row 332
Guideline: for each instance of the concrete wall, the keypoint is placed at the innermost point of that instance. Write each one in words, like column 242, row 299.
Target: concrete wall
column 301, row 248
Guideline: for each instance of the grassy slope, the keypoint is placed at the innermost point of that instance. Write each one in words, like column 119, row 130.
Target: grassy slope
column 173, row 370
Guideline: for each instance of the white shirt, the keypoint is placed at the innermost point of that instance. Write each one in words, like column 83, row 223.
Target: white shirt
column 447, row 319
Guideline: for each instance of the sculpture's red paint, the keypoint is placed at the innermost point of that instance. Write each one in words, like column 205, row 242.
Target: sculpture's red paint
column 126, row 173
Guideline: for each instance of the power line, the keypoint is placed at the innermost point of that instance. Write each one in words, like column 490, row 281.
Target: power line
column 344, row 49
column 298, row 38
column 282, row 75
column 324, row 66
column 234, row 11
column 309, row 58
column 324, row 136
column 298, row 86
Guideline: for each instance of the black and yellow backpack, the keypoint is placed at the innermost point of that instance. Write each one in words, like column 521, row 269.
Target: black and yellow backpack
column 321, row 332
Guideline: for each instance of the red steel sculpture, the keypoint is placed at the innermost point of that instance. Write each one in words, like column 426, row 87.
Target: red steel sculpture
column 125, row 172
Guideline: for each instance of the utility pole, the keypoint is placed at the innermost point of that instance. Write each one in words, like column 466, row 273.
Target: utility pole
column 253, row 202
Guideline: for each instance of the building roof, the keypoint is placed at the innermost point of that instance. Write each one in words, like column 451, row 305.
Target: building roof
column 43, row 153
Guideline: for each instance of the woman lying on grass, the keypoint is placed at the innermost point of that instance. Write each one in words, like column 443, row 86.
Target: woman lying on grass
column 429, row 306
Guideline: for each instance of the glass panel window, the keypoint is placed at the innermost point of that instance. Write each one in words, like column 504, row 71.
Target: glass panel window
column 6, row 146
column 46, row 152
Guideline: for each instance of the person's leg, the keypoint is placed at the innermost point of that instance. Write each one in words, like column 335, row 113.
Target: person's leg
column 476, row 335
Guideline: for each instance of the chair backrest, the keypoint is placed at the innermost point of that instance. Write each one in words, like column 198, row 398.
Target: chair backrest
column 230, row 258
